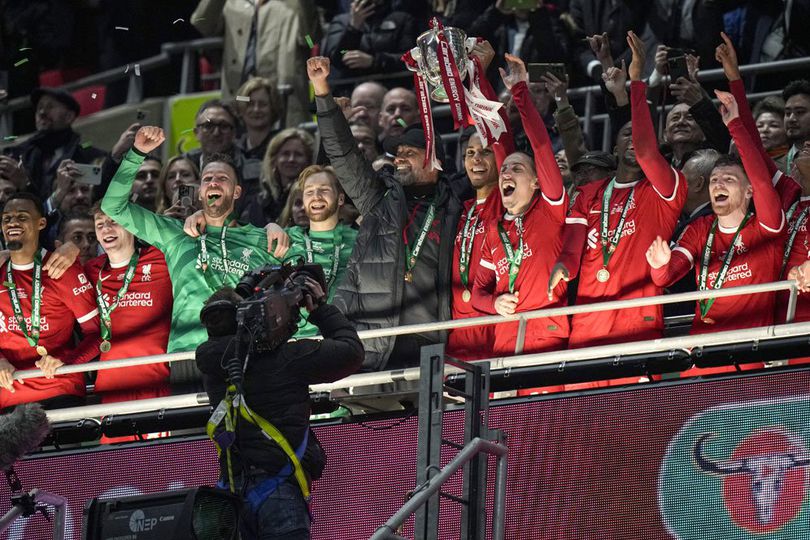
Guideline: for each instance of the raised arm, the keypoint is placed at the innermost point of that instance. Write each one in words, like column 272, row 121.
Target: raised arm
column 766, row 199
column 548, row 173
column 656, row 168
column 355, row 174
column 157, row 230
column 667, row 265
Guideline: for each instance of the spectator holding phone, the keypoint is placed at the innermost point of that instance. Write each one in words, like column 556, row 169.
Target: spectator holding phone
column 32, row 165
column 178, row 171
column 370, row 38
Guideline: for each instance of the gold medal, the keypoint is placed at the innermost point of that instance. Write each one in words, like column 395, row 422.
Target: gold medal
column 466, row 295
column 105, row 346
column 408, row 277
column 42, row 351
column 602, row 275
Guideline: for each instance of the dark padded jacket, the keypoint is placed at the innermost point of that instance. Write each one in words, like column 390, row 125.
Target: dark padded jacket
column 371, row 291
column 276, row 386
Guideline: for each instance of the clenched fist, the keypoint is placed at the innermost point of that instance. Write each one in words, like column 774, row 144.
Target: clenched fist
column 148, row 138
column 318, row 71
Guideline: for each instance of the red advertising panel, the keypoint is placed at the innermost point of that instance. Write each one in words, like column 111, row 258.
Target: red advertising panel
column 723, row 459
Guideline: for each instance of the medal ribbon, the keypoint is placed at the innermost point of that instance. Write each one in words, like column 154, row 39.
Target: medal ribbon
column 338, row 241
column 105, row 310
column 793, row 232
column 204, row 251
column 791, row 155
column 411, row 255
column 515, row 257
column 609, row 250
column 706, row 305
column 36, row 302
column 467, row 238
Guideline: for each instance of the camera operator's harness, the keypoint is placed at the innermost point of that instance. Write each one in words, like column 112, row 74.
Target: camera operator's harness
column 227, row 409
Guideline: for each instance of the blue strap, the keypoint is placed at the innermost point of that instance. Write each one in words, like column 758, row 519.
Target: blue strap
column 259, row 494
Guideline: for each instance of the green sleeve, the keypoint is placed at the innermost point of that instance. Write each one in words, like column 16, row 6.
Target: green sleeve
column 160, row 231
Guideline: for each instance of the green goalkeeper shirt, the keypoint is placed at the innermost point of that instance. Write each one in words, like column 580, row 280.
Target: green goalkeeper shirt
column 245, row 247
column 321, row 250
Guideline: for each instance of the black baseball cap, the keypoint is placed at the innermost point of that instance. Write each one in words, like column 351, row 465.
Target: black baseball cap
column 65, row 98
column 600, row 159
column 413, row 136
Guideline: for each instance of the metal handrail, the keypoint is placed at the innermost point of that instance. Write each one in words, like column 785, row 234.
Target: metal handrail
column 423, row 493
column 361, row 380
column 521, row 318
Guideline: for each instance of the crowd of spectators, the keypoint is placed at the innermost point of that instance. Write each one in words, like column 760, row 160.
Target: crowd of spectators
column 112, row 255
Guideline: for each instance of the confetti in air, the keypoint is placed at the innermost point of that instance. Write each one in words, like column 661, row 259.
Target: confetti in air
column 137, row 70
column 344, row 51
column 20, row 62
column 246, row 99
column 9, row 138
column 126, row 69
column 310, row 44
column 177, row 21
column 93, row 95
column 124, row 28
column 189, row 130
column 402, row 122
column 25, row 49
column 87, row 144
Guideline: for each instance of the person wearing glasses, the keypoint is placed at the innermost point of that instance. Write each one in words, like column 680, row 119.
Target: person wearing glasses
column 216, row 127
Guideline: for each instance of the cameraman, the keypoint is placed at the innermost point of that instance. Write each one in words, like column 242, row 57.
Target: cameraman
column 275, row 388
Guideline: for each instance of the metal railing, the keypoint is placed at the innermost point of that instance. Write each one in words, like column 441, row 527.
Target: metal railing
column 423, row 493
column 560, row 357
column 189, row 50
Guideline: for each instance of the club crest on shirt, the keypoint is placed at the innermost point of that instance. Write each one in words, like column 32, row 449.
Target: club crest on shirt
column 739, row 247
column 82, row 279
column 246, row 254
column 146, row 272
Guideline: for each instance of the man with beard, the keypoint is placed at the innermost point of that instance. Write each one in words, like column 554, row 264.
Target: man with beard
column 197, row 266
column 326, row 241
column 133, row 292
column 521, row 246
column 400, row 270
column 38, row 314
column 32, row 165
column 215, row 127
column 612, row 223
column 481, row 164
column 797, row 118
column 735, row 246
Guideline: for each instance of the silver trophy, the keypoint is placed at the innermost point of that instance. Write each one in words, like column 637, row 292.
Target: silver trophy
column 426, row 56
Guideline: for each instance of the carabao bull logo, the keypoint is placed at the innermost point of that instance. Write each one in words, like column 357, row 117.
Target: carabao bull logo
column 740, row 472
column 764, row 481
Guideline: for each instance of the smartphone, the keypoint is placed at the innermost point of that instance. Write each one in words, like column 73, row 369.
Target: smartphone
column 187, row 194
column 91, row 174
column 519, row 4
column 676, row 63
column 536, row 71
column 140, row 115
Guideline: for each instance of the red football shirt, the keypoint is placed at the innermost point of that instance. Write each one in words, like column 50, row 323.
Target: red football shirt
column 757, row 259
column 542, row 240
column 64, row 302
column 140, row 325
column 476, row 342
column 649, row 215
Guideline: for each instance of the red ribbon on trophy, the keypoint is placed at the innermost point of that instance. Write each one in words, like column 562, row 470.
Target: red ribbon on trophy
column 435, row 63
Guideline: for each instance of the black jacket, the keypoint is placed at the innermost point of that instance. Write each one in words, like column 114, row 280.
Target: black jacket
column 41, row 146
column 386, row 38
column 371, row 291
column 276, row 385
